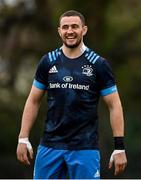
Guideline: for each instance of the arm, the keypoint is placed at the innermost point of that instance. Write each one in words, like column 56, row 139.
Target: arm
column 117, row 124
column 29, row 116
column 116, row 113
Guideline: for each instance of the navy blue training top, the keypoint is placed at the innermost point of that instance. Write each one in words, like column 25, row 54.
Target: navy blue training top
column 74, row 87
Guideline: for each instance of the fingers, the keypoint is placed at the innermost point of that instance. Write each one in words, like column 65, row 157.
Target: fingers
column 24, row 159
column 110, row 164
column 120, row 163
column 119, row 168
column 31, row 153
column 22, row 154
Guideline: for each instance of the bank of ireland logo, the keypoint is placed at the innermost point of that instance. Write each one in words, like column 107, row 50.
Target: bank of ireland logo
column 87, row 70
column 68, row 78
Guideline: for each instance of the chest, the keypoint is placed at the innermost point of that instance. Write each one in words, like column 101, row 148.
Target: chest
column 73, row 74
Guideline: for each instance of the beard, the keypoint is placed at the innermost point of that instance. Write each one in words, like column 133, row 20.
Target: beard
column 72, row 46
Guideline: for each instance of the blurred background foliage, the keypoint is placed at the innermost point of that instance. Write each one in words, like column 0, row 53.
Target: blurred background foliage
column 28, row 29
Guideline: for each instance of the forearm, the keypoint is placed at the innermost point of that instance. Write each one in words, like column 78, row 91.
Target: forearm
column 116, row 114
column 29, row 116
column 117, row 120
column 118, row 156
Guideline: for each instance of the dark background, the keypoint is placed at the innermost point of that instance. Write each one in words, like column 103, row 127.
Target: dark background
column 28, row 29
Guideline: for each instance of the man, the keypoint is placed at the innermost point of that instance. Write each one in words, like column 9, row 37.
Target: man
column 74, row 77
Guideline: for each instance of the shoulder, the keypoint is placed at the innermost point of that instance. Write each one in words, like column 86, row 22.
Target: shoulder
column 49, row 57
column 93, row 57
column 53, row 55
column 99, row 63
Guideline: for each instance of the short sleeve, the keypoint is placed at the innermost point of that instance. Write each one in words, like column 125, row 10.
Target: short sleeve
column 41, row 75
column 106, row 80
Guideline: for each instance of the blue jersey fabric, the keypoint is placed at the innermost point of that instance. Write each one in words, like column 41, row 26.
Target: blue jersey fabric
column 73, row 87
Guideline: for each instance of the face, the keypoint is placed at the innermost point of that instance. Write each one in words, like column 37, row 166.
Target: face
column 71, row 31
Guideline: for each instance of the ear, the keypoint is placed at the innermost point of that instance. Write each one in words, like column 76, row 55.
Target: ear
column 59, row 31
column 85, row 29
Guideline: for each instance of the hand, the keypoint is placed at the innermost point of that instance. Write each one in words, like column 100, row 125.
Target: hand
column 24, row 153
column 119, row 160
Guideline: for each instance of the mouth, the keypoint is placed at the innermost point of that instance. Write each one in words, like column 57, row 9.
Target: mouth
column 72, row 38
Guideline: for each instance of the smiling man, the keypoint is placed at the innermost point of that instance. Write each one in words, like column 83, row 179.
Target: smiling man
column 72, row 29
column 74, row 77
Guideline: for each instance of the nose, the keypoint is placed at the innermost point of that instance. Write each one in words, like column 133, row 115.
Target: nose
column 70, row 30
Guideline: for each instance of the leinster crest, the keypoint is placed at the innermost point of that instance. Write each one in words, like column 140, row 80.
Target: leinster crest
column 87, row 70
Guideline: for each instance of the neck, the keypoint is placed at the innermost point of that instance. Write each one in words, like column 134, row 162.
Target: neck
column 74, row 52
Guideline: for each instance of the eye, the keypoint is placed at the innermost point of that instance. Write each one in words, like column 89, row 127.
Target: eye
column 65, row 27
column 75, row 26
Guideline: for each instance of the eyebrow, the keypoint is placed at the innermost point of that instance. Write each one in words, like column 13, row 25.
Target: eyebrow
column 70, row 24
column 74, row 24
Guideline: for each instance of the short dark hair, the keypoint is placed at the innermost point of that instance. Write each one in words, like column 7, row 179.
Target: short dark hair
column 73, row 13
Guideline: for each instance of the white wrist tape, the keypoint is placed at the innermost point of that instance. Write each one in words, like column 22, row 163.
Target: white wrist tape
column 115, row 152
column 25, row 141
